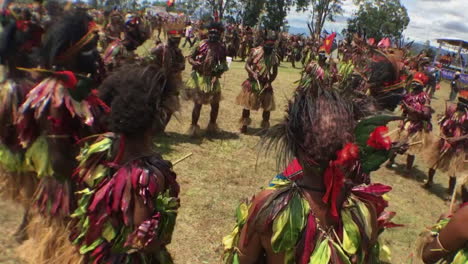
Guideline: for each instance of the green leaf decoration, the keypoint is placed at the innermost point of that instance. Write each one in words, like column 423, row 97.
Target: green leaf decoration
column 229, row 241
column 82, row 203
column 97, row 175
column 236, row 259
column 9, row 161
column 366, row 217
column 461, row 257
column 108, row 233
column 351, row 235
column 38, row 159
column 100, row 146
column 242, row 213
column 365, row 127
column 321, row 254
column 372, row 160
column 278, row 183
column 290, row 256
column 385, row 255
column 344, row 258
column 287, row 227
column 85, row 249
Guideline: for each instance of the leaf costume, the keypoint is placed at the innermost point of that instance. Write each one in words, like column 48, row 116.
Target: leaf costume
column 106, row 231
column 203, row 85
column 297, row 232
column 256, row 94
column 63, row 110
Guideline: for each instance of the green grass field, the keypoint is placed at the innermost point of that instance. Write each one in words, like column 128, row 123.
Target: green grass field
column 226, row 169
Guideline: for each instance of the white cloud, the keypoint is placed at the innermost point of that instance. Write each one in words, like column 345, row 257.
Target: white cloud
column 430, row 19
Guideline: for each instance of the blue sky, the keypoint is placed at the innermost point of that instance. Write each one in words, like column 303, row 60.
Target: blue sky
column 430, row 19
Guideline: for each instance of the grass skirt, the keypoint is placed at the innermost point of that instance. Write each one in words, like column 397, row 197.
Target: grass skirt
column 48, row 242
column 252, row 99
column 418, row 142
column 18, row 186
column 452, row 162
column 201, row 90
column 16, row 183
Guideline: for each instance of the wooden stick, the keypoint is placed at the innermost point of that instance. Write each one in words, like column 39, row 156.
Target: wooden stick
column 452, row 202
column 416, row 143
column 182, row 159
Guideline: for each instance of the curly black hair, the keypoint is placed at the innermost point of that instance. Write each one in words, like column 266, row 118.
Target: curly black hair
column 318, row 123
column 136, row 95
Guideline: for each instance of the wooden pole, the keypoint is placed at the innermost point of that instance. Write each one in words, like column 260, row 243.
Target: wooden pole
column 182, row 159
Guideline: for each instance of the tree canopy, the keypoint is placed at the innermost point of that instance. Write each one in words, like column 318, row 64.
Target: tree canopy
column 379, row 19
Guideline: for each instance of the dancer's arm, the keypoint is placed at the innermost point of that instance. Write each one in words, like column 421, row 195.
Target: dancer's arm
column 452, row 238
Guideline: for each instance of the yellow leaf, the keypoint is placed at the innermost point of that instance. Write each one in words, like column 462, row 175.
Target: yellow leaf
column 228, row 241
column 321, row 254
column 351, row 235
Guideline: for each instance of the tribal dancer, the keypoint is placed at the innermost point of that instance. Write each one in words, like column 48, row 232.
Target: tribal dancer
column 232, row 41
column 55, row 114
column 450, row 152
column 247, row 42
column 313, row 212
column 208, row 59
column 416, row 127
column 170, row 58
column 122, row 166
column 121, row 52
column 18, row 40
column 257, row 91
column 115, row 28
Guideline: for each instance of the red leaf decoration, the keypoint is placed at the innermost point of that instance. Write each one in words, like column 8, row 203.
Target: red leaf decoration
column 125, row 202
column 309, row 239
column 378, row 140
column 120, row 181
column 100, row 195
column 334, row 182
column 377, row 189
column 135, row 176
column 293, row 171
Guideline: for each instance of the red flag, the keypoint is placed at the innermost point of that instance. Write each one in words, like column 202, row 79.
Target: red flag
column 328, row 43
column 170, row 3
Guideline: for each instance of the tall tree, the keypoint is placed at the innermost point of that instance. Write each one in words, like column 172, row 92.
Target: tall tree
column 379, row 19
column 275, row 14
column 321, row 11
